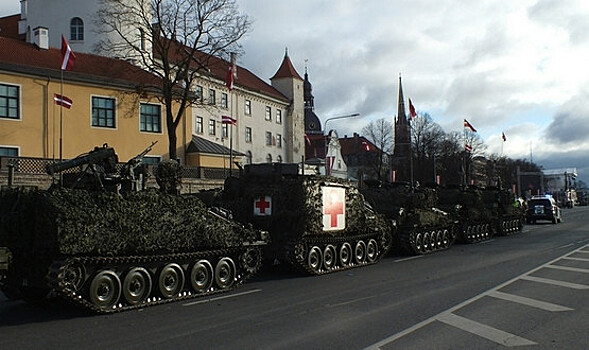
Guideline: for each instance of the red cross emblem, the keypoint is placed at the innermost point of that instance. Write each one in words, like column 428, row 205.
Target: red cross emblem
column 334, row 208
column 263, row 206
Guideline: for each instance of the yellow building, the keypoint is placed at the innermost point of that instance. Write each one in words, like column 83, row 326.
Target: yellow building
column 112, row 103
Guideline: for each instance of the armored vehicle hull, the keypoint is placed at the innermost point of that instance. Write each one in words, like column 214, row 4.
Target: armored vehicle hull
column 111, row 253
column 317, row 224
column 421, row 227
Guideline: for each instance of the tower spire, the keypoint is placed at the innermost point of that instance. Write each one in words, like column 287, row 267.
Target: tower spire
column 401, row 115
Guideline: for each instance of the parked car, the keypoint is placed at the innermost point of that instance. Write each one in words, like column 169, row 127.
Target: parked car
column 543, row 208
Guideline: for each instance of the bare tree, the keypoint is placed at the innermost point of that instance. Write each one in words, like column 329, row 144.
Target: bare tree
column 177, row 40
column 425, row 136
column 380, row 133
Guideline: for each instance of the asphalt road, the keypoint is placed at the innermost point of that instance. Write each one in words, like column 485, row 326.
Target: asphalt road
column 529, row 290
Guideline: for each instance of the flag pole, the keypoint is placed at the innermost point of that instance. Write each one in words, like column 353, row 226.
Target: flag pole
column 61, row 119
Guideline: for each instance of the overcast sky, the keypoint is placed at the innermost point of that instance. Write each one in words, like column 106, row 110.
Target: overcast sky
column 518, row 67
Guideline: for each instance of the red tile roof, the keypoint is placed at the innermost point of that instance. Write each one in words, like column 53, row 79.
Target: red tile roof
column 9, row 26
column 21, row 56
column 286, row 70
column 218, row 70
column 20, row 53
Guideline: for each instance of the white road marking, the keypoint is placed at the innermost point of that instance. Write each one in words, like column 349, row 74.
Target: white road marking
column 493, row 334
column 568, row 268
column 575, row 259
column 409, row 258
column 222, row 297
column 555, row 282
column 529, row 302
column 426, row 322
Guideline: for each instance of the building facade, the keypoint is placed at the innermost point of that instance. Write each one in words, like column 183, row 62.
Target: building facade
column 269, row 118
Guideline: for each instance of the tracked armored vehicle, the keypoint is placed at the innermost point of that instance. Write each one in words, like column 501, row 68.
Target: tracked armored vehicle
column 116, row 250
column 476, row 218
column 510, row 214
column 317, row 224
column 421, row 227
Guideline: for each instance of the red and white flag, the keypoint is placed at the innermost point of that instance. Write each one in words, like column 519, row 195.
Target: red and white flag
column 62, row 101
column 412, row 112
column 229, row 78
column 225, row 119
column 503, row 137
column 67, row 55
column 307, row 139
column 366, row 146
column 469, row 126
column 467, row 148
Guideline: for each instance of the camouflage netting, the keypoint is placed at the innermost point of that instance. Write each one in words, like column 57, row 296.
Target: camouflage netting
column 407, row 207
column 475, row 204
column 296, row 203
column 79, row 222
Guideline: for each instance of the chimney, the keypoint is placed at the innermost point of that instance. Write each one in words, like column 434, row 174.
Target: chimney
column 234, row 64
column 41, row 37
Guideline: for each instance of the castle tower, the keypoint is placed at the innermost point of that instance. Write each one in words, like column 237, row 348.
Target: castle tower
column 401, row 160
column 290, row 84
column 312, row 122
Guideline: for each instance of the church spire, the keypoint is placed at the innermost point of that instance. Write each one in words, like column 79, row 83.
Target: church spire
column 401, row 115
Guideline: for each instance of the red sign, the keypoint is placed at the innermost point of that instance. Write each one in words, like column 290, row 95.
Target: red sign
column 263, row 206
column 334, row 208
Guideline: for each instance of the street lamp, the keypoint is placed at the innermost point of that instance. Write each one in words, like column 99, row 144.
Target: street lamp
column 327, row 132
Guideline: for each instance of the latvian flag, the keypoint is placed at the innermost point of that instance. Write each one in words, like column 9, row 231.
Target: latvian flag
column 225, row 119
column 62, row 101
column 469, row 126
column 467, row 148
column 67, row 55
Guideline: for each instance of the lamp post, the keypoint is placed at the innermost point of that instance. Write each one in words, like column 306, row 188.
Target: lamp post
column 327, row 132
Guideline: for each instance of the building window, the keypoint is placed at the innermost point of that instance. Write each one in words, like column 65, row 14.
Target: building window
column 225, row 130
column 198, row 91
column 248, row 107
column 212, row 97
column 8, row 152
column 268, row 113
column 150, row 118
column 268, row 138
column 278, row 140
column 248, row 134
column 224, row 103
column 278, row 116
column 268, row 158
column 9, row 101
column 279, row 159
column 248, row 158
column 103, row 112
column 76, row 29
column 212, row 127
column 199, row 125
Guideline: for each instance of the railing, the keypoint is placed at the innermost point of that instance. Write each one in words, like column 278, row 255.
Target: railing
column 36, row 166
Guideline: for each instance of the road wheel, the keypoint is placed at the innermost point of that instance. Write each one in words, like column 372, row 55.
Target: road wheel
column 136, row 286
column 170, row 280
column 315, row 259
column 345, row 254
column 360, row 252
column 419, row 243
column 446, row 239
column 225, row 273
column 74, row 276
column 371, row 250
column 426, row 242
column 105, row 290
column 201, row 276
column 329, row 257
